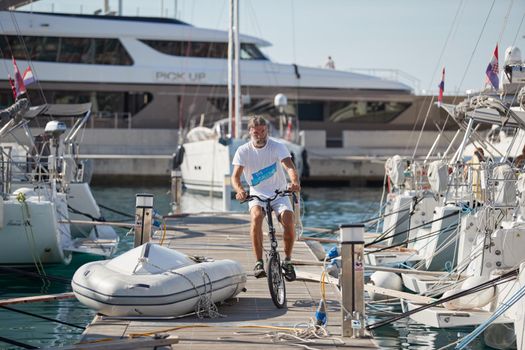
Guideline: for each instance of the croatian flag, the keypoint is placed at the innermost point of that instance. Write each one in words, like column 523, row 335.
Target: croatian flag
column 493, row 70
column 28, row 76
column 19, row 82
column 441, row 88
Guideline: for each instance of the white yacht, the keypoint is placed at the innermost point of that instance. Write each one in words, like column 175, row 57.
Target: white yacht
column 158, row 73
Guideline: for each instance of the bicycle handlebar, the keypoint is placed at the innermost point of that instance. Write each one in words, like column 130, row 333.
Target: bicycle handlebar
column 270, row 199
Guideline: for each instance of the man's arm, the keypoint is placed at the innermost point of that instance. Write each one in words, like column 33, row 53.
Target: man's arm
column 289, row 166
column 236, row 183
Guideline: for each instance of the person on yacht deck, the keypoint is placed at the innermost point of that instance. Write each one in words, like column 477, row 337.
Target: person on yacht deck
column 261, row 160
column 475, row 165
column 330, row 64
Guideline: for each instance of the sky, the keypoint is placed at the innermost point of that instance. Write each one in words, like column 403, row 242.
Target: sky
column 411, row 39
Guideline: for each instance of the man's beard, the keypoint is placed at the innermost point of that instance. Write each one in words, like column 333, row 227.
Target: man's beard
column 259, row 142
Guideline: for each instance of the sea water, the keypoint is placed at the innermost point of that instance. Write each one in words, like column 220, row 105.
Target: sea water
column 323, row 208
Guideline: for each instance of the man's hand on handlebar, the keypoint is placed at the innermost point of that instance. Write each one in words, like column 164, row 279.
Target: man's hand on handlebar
column 294, row 187
column 241, row 196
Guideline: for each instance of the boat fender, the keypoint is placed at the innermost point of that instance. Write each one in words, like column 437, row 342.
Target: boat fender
column 334, row 267
column 178, row 157
column 387, row 280
column 333, row 253
column 471, row 301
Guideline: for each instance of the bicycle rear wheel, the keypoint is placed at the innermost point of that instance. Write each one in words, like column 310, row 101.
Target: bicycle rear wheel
column 276, row 281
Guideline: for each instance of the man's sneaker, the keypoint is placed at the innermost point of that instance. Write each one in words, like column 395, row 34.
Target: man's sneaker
column 289, row 271
column 258, row 269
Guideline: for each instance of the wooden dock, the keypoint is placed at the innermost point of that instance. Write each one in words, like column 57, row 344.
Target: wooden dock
column 249, row 322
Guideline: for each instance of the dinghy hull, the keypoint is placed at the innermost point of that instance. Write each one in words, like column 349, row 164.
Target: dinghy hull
column 155, row 290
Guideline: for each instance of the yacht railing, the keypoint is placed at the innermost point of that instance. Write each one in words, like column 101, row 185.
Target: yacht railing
column 500, row 192
column 460, row 188
column 396, row 75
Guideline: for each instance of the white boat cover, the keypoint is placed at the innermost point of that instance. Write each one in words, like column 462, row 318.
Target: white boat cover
column 438, row 176
column 151, row 280
column 395, row 168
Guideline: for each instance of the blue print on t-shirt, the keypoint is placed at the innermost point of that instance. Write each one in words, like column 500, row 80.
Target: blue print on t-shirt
column 263, row 174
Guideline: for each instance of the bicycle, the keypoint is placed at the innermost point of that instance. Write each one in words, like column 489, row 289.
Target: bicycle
column 274, row 274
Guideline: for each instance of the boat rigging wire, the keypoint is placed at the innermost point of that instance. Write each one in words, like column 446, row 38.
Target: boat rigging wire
column 504, row 306
column 412, row 228
column 436, row 68
column 28, row 56
column 475, row 48
column 491, row 283
column 419, row 238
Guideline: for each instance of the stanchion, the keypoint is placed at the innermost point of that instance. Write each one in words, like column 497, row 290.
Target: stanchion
column 176, row 188
column 227, row 193
column 352, row 280
column 143, row 218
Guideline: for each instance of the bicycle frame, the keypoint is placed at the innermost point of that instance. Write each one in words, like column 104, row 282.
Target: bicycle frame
column 271, row 228
column 268, row 209
column 274, row 275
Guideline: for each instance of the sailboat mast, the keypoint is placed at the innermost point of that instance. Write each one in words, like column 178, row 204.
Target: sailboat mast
column 237, row 54
column 230, row 71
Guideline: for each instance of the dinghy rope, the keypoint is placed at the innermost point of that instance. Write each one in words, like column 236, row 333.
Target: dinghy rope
column 300, row 334
column 204, row 307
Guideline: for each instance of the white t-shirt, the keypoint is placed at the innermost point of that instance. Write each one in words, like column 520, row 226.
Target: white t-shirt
column 262, row 167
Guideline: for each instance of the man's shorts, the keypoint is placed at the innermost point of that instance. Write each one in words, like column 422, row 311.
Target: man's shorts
column 279, row 205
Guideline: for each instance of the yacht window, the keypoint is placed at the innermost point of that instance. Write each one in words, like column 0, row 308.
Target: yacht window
column 365, row 111
column 103, row 102
column 251, row 52
column 67, row 50
column 310, row 110
column 202, row 49
column 76, row 50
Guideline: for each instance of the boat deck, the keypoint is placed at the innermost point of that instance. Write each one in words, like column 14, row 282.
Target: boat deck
column 250, row 321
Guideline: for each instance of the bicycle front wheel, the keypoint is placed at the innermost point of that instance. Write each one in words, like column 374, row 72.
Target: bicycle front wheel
column 276, row 281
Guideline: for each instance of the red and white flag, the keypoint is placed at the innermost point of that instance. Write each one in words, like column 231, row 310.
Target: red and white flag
column 19, row 82
column 28, row 76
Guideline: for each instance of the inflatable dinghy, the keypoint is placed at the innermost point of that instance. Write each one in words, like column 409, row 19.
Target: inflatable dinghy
column 151, row 280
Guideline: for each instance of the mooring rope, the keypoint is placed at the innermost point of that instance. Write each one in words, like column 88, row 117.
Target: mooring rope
column 41, row 317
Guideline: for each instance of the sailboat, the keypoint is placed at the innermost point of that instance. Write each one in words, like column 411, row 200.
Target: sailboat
column 42, row 182
column 207, row 151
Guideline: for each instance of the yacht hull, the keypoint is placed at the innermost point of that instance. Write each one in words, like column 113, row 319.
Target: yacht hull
column 30, row 232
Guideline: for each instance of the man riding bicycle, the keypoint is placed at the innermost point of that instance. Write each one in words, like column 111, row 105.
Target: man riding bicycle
column 261, row 160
